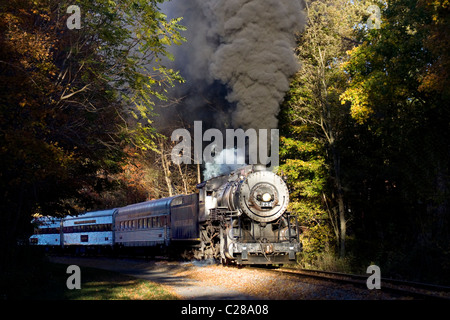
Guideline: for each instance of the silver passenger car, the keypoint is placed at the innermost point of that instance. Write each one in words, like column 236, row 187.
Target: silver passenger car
column 145, row 224
column 89, row 229
column 46, row 232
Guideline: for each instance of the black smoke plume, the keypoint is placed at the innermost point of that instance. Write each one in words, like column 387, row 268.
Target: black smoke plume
column 237, row 61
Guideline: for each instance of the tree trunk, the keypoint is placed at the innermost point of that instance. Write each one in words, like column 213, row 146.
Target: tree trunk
column 183, row 178
column 340, row 201
column 342, row 225
column 166, row 168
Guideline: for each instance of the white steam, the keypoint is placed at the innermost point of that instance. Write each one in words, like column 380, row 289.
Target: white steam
column 223, row 163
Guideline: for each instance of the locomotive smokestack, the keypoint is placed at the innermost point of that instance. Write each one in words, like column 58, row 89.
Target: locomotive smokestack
column 259, row 167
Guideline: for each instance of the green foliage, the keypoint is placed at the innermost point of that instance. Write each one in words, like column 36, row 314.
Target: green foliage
column 386, row 74
column 303, row 164
column 68, row 97
column 315, row 120
column 365, row 137
column 398, row 165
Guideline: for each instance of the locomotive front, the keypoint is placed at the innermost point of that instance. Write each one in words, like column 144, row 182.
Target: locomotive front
column 247, row 209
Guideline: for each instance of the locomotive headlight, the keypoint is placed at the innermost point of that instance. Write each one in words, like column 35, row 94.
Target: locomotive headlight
column 266, row 197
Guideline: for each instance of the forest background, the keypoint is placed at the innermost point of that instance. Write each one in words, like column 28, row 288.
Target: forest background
column 365, row 143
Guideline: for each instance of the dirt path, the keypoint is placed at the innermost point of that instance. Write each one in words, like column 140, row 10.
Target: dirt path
column 203, row 281
column 169, row 274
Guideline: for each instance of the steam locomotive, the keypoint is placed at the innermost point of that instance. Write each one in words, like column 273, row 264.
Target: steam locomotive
column 236, row 218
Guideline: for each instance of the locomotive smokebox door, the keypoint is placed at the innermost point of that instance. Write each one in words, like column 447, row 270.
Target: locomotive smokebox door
column 263, row 196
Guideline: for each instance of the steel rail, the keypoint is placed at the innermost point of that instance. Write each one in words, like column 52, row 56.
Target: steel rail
column 403, row 288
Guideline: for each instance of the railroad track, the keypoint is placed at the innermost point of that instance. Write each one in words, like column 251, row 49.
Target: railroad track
column 414, row 290
column 401, row 288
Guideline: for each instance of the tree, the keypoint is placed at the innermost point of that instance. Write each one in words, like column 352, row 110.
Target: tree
column 436, row 78
column 313, row 105
column 403, row 129
column 68, row 97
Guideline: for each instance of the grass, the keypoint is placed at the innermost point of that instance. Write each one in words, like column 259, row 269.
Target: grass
column 106, row 285
column 48, row 282
column 327, row 261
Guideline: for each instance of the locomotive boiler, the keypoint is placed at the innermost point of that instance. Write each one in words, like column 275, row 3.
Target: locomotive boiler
column 243, row 217
column 236, row 218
